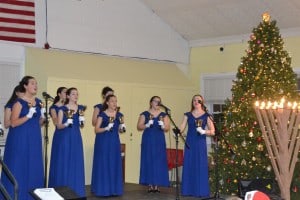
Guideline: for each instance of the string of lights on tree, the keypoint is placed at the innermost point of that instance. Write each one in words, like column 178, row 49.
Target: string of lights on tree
column 265, row 72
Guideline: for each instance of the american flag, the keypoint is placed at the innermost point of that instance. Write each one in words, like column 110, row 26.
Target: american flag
column 17, row 21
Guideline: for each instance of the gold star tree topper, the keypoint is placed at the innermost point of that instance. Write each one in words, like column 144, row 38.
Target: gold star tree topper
column 266, row 17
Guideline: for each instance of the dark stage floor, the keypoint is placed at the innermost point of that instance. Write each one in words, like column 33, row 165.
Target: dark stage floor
column 139, row 192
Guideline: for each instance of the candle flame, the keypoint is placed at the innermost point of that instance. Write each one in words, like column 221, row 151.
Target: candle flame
column 277, row 105
column 262, row 105
column 269, row 105
column 257, row 103
column 294, row 105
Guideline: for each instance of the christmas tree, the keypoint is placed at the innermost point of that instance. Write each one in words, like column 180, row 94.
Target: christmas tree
column 264, row 73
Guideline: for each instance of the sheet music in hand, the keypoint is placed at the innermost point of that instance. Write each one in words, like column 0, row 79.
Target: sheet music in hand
column 47, row 194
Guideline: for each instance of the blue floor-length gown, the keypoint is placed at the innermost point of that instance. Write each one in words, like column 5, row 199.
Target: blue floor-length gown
column 56, row 141
column 23, row 154
column 107, row 177
column 154, row 164
column 67, row 160
column 195, row 164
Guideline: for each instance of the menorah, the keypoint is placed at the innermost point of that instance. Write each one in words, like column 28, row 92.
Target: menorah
column 279, row 124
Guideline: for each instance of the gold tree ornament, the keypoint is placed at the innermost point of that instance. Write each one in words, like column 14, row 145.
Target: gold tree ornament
column 266, row 17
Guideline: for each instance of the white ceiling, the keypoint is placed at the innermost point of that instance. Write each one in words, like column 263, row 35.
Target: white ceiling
column 199, row 21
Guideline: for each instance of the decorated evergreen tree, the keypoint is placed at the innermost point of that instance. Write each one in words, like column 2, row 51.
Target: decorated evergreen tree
column 264, row 73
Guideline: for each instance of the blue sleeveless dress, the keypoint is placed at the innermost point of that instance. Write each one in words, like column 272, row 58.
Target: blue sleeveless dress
column 67, row 161
column 54, row 168
column 99, row 106
column 9, row 105
column 107, row 179
column 23, row 154
column 195, row 164
column 154, row 164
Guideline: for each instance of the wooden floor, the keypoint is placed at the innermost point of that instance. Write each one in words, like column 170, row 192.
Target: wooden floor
column 139, row 192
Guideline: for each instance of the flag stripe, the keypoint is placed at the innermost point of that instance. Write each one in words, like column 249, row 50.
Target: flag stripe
column 24, row 17
column 17, row 25
column 16, row 34
column 17, row 30
column 17, row 20
column 16, row 7
column 18, row 12
column 17, row 39
column 21, row 3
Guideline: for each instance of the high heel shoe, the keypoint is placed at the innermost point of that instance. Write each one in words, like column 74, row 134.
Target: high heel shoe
column 150, row 189
column 156, row 190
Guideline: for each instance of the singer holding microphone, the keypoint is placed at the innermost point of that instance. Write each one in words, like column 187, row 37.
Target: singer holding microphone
column 195, row 180
column 107, row 175
column 154, row 165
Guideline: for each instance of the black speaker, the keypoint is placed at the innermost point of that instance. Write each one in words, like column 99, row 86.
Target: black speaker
column 66, row 192
column 267, row 186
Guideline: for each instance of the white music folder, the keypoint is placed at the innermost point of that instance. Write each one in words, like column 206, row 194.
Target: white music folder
column 47, row 194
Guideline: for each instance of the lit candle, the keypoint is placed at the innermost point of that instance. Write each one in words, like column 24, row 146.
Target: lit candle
column 269, row 105
column 257, row 103
column 294, row 105
column 262, row 105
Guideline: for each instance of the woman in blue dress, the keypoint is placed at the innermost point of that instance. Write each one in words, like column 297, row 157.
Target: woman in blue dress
column 58, row 102
column 107, row 179
column 98, row 107
column 154, row 164
column 8, row 106
column 195, row 164
column 23, row 151
column 68, row 161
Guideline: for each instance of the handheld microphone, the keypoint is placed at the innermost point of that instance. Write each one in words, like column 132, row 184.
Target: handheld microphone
column 47, row 96
column 165, row 107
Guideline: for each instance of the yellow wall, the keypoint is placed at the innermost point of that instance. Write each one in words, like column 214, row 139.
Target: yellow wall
column 209, row 60
column 134, row 82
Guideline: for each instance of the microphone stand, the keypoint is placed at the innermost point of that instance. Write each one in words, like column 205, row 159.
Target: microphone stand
column 46, row 140
column 177, row 135
column 216, row 196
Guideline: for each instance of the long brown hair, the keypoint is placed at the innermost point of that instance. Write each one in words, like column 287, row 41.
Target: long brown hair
column 68, row 93
column 24, row 81
column 192, row 105
column 58, row 91
column 105, row 106
column 152, row 98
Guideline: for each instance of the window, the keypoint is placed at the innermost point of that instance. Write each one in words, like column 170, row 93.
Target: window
column 216, row 88
column 298, row 83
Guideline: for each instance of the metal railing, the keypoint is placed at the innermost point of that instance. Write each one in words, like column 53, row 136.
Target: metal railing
column 11, row 179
